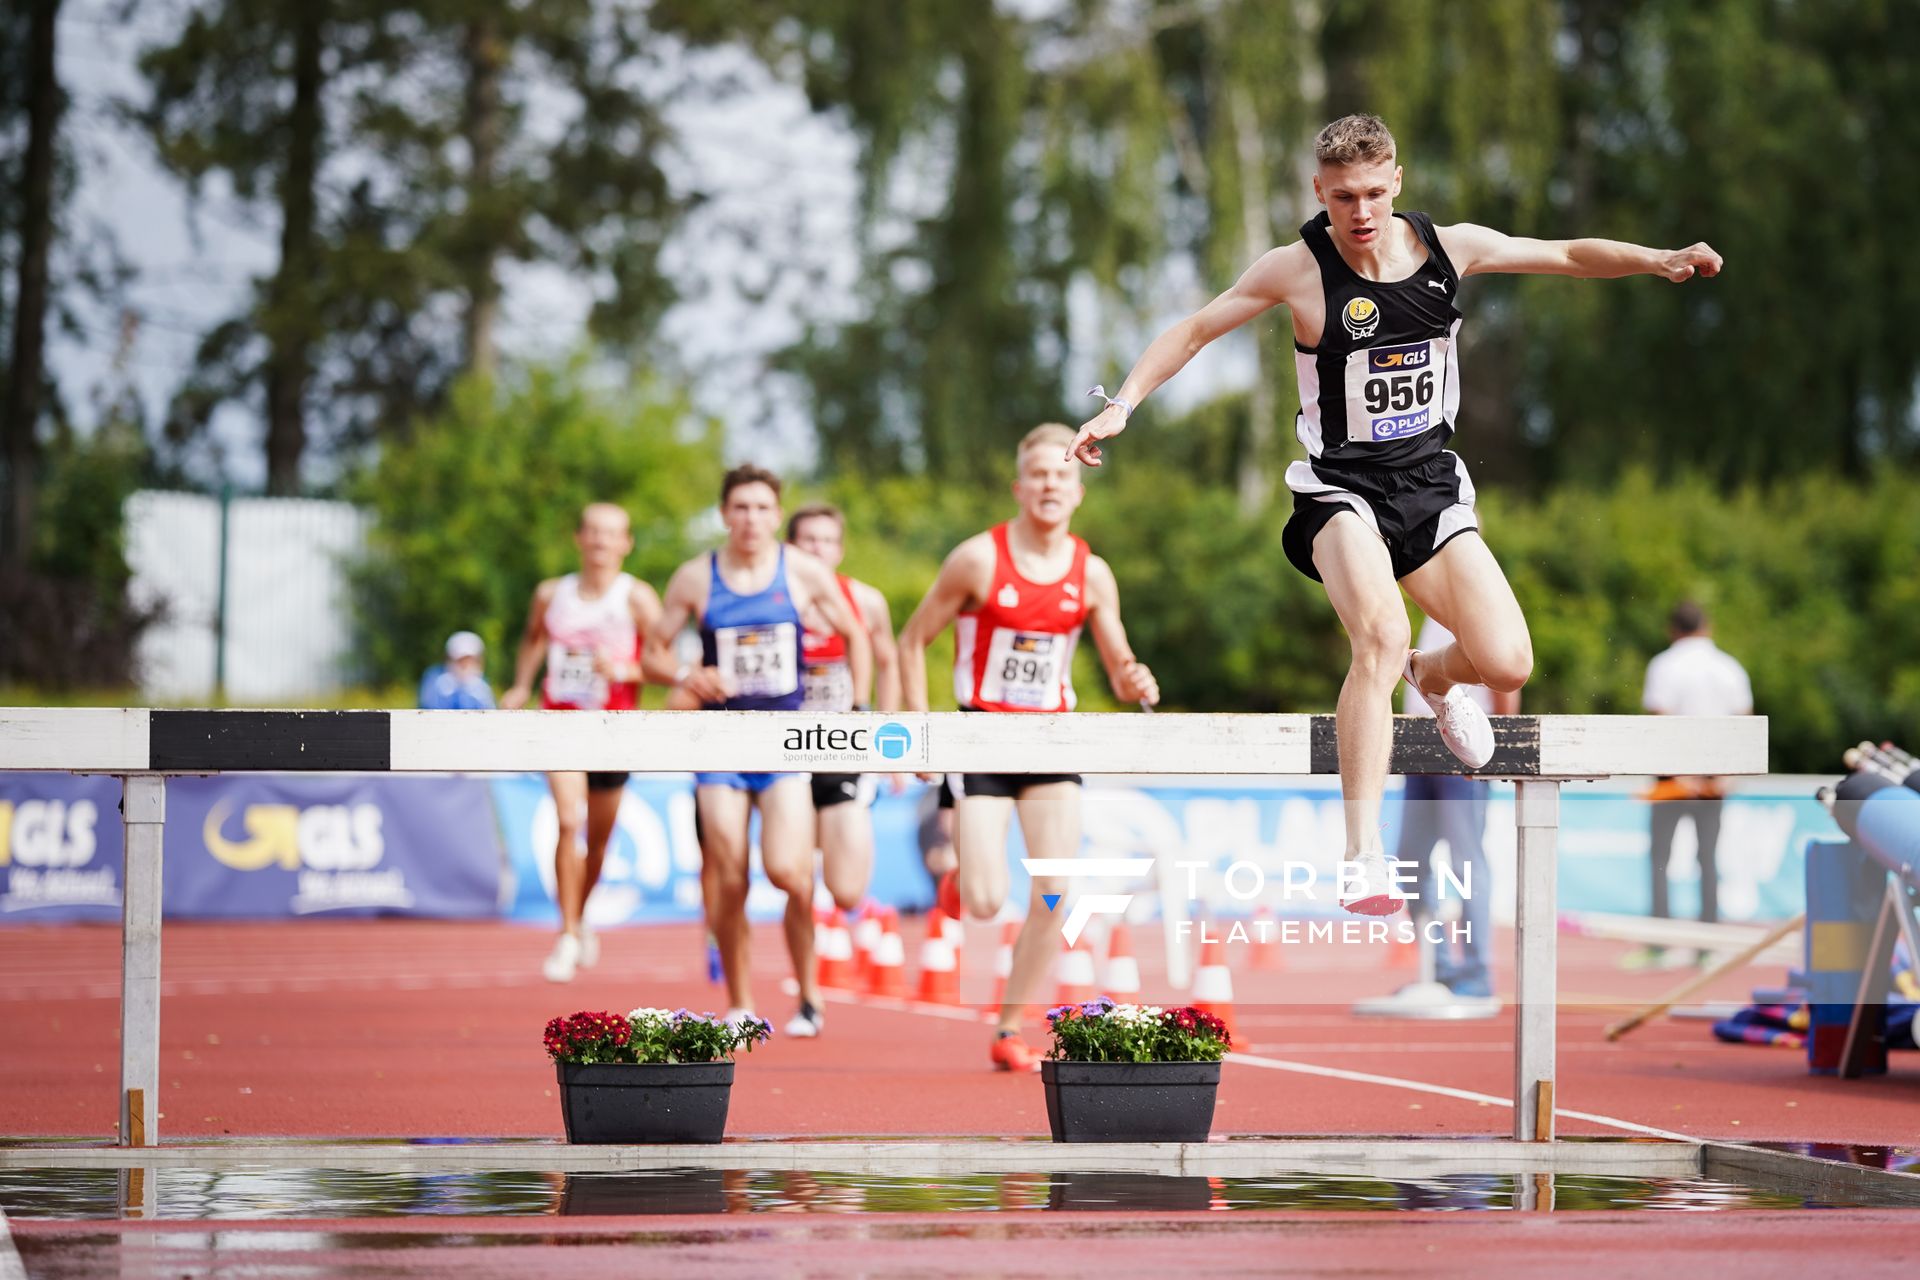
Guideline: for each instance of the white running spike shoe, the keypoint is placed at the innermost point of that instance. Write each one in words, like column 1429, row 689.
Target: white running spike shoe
column 564, row 960
column 589, row 947
column 1463, row 726
column 1372, row 891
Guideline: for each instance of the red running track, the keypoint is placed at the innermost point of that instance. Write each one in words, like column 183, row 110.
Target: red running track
column 378, row 1028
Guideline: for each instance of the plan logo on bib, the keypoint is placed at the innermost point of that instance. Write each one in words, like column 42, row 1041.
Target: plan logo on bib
column 1361, row 316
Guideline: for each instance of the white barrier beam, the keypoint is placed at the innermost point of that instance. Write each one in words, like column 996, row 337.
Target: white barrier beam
column 109, row 740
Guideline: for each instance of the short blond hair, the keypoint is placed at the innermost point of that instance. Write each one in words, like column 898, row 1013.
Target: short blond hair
column 1046, row 433
column 1358, row 139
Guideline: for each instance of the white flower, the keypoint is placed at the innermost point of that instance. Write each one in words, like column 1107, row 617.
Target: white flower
column 649, row 1014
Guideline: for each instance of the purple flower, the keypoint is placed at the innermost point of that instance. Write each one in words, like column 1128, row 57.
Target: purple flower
column 1060, row 1011
column 1096, row 1006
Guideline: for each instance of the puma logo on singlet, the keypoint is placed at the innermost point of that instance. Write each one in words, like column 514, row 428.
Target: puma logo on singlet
column 1441, row 285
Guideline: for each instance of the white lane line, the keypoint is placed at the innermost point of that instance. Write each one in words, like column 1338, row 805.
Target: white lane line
column 1445, row 1091
column 961, row 1013
column 11, row 1268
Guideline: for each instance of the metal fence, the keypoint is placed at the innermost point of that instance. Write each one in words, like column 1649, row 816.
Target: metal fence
column 254, row 592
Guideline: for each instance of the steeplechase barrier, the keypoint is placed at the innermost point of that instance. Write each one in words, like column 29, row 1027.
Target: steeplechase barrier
column 1536, row 753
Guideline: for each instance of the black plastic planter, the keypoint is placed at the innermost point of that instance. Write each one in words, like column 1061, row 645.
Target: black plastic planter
column 647, row 1102
column 1130, row 1101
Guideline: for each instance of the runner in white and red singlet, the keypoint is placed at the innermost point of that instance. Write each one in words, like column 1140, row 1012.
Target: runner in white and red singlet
column 585, row 629
column 1018, row 596
column 843, row 823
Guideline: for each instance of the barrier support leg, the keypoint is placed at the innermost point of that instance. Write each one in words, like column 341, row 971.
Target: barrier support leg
column 143, row 806
column 1536, row 812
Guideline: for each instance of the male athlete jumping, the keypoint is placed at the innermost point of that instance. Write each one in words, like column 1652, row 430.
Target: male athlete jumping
column 1379, row 499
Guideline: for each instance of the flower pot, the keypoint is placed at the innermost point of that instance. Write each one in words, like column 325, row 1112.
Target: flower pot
column 645, row 1102
column 1130, row 1101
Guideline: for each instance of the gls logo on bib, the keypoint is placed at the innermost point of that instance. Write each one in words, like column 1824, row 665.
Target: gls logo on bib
column 1361, row 316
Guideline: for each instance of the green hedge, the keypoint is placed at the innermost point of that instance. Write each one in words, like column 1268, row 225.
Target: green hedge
column 480, row 503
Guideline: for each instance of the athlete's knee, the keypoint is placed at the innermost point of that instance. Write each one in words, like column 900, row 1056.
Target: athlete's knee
column 845, row 890
column 567, row 838
column 1380, row 642
column 982, row 901
column 789, row 876
column 723, row 871
column 1506, row 666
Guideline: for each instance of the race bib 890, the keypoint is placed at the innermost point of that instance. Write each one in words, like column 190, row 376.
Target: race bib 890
column 1023, row 669
column 1395, row 392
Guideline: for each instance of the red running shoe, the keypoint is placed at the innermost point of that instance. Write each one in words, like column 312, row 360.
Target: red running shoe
column 1011, row 1053
column 947, row 896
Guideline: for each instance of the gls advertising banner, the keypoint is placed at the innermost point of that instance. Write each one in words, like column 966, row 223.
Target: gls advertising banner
column 60, row 847
column 282, row 845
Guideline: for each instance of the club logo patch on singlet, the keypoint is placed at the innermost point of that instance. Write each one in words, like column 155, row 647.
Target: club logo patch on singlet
column 1361, row 316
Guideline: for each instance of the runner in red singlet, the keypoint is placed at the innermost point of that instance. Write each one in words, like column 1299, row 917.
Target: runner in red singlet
column 1017, row 597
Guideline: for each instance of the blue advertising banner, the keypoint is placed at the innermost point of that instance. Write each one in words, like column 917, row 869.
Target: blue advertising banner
column 272, row 845
column 60, row 848
column 291, row 845
column 652, row 870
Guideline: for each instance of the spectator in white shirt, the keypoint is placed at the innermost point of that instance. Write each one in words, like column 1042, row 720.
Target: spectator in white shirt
column 1693, row 677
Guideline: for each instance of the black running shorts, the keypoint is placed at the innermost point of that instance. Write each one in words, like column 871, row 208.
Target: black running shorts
column 1009, row 785
column 830, row 789
column 1416, row 510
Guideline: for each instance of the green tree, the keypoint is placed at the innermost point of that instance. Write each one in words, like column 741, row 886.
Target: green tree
column 250, row 90
column 480, row 502
column 30, row 70
column 405, row 152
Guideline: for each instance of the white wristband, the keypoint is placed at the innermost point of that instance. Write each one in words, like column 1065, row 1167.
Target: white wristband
column 1126, row 410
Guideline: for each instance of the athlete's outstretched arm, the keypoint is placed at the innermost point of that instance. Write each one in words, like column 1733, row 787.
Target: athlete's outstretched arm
column 533, row 649
column 958, row 585
column 886, row 658
column 1477, row 250
column 824, row 595
column 659, row 662
column 1131, row 680
column 1275, row 279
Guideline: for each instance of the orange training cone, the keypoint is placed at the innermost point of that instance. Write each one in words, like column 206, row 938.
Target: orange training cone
column 1123, row 971
column 833, row 953
column 1403, row 947
column 939, row 963
column 866, row 935
column 1213, row 985
column 1003, row 960
column 888, row 976
column 1076, row 973
column 1266, row 955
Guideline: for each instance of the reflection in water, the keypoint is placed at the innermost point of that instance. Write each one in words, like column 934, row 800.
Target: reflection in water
column 195, row 1194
